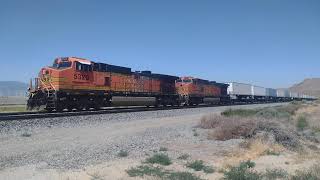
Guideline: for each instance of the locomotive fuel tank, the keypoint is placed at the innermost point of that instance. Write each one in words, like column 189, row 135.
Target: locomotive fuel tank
column 133, row 101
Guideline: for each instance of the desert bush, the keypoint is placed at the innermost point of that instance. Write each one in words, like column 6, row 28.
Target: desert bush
column 271, row 153
column 311, row 174
column 233, row 128
column 163, row 149
column 208, row 170
column 302, row 123
column 162, row 159
column 26, row 134
column 267, row 113
column 240, row 112
column 184, row 156
column 290, row 108
column 273, row 174
column 242, row 172
column 198, row 165
column 146, row 170
column 273, row 113
column 286, row 137
column 210, row 121
column 122, row 153
column 182, row 176
column 160, row 173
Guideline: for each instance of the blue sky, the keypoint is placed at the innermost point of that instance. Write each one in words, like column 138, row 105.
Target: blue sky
column 272, row 43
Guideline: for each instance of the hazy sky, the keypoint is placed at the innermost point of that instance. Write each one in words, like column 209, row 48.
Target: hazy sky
column 272, row 43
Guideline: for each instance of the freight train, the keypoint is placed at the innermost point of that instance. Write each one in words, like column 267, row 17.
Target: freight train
column 76, row 83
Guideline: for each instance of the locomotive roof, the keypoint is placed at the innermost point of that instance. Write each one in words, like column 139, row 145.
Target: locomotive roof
column 125, row 70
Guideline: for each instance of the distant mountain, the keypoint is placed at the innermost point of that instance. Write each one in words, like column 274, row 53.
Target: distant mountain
column 13, row 88
column 308, row 86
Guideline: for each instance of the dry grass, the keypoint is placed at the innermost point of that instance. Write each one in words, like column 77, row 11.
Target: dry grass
column 313, row 116
column 277, row 121
column 210, row 121
column 253, row 149
column 13, row 108
column 226, row 128
column 312, row 173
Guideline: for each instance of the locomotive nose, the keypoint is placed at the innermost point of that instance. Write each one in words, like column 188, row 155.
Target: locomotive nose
column 44, row 71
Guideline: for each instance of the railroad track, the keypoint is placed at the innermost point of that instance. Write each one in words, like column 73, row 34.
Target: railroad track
column 38, row 115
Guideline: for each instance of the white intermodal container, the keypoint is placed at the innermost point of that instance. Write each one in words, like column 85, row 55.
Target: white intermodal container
column 283, row 93
column 239, row 89
column 258, row 91
column 271, row 92
column 294, row 95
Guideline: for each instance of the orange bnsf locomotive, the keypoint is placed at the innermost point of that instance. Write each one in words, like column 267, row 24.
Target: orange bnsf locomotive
column 76, row 83
column 194, row 91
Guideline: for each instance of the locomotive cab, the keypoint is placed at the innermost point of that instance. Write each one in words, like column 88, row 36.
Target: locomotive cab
column 61, row 63
column 194, row 91
column 65, row 73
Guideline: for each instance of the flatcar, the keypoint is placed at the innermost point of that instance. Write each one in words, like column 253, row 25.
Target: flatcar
column 77, row 83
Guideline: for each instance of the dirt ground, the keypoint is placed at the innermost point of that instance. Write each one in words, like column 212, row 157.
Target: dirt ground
column 178, row 133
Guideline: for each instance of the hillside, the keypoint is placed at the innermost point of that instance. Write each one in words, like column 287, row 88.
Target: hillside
column 13, row 88
column 308, row 86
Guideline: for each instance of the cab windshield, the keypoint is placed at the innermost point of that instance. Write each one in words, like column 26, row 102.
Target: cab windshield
column 61, row 64
column 187, row 80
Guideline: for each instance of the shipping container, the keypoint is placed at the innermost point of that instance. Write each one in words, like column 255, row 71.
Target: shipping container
column 271, row 92
column 258, row 91
column 239, row 89
column 294, row 95
column 283, row 93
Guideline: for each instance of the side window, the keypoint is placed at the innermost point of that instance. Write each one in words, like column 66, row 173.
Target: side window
column 107, row 81
column 96, row 67
column 83, row 67
column 78, row 66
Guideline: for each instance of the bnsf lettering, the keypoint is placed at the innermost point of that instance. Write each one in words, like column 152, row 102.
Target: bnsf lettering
column 81, row 77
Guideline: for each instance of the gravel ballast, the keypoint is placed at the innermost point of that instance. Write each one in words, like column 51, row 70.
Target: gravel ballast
column 77, row 142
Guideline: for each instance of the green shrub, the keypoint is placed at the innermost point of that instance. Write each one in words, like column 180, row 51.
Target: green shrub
column 272, row 153
column 26, row 134
column 198, row 165
column 141, row 171
column 122, row 153
column 302, row 123
column 242, row 172
column 145, row 170
column 184, row 156
column 239, row 112
column 273, row 113
column 268, row 112
column 181, row 176
column 163, row 149
column 162, row 159
column 208, row 170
